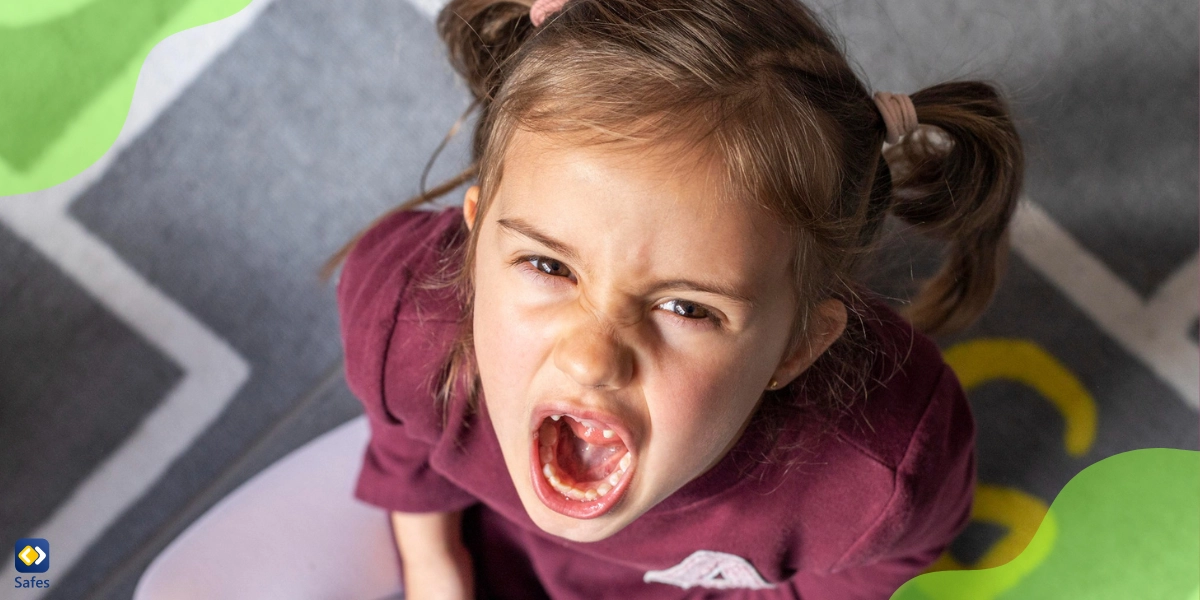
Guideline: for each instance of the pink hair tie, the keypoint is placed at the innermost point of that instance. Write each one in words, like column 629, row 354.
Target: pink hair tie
column 899, row 114
column 542, row 9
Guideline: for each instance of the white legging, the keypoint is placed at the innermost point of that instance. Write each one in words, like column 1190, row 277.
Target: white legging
column 294, row 531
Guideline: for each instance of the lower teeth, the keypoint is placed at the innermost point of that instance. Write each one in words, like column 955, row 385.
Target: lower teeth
column 575, row 493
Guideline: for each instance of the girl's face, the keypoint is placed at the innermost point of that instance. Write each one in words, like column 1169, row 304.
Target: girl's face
column 626, row 323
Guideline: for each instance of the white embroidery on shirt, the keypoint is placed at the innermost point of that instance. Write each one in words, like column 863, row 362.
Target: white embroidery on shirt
column 713, row 570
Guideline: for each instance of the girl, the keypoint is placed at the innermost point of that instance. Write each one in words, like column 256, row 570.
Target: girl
column 635, row 363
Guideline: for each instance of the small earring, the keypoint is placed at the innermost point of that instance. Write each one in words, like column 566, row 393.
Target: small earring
column 772, row 384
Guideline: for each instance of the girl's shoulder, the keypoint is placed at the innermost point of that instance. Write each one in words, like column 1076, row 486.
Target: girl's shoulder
column 398, row 314
column 903, row 453
column 909, row 390
column 396, row 248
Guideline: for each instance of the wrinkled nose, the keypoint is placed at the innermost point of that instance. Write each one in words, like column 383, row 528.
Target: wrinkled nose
column 594, row 357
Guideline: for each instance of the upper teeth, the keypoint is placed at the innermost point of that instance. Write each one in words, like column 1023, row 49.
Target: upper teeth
column 607, row 433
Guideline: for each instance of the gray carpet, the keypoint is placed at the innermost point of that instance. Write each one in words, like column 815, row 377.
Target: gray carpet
column 321, row 115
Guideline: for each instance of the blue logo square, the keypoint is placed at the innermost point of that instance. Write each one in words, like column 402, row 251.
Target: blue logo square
column 32, row 555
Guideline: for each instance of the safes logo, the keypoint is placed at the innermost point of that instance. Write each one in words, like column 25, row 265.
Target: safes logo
column 33, row 555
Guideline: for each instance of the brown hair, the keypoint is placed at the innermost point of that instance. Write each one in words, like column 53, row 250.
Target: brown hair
column 762, row 85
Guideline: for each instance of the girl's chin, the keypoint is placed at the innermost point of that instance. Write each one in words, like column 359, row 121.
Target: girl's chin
column 575, row 530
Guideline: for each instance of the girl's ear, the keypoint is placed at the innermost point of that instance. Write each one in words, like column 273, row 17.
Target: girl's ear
column 470, row 206
column 830, row 322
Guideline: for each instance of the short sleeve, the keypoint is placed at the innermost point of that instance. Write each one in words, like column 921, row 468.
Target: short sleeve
column 935, row 484
column 396, row 474
column 930, row 504
column 391, row 357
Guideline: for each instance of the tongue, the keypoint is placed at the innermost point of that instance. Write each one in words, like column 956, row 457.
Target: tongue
column 584, row 453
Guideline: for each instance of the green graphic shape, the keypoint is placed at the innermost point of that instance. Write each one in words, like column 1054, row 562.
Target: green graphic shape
column 1125, row 527
column 20, row 14
column 67, row 74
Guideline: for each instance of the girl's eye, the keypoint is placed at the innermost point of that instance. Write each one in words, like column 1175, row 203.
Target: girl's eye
column 681, row 308
column 687, row 310
column 549, row 266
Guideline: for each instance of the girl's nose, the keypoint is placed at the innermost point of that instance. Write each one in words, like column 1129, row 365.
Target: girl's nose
column 593, row 357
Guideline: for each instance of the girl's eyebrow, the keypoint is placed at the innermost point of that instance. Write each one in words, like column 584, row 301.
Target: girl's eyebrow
column 522, row 227
column 708, row 288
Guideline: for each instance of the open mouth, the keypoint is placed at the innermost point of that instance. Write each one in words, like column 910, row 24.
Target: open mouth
column 581, row 466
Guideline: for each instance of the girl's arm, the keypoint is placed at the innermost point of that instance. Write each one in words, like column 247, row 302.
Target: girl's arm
column 435, row 563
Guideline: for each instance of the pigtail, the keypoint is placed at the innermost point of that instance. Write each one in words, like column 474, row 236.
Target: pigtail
column 958, row 181
column 480, row 35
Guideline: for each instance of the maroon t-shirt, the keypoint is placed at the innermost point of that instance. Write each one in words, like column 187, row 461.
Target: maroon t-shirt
column 851, row 509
